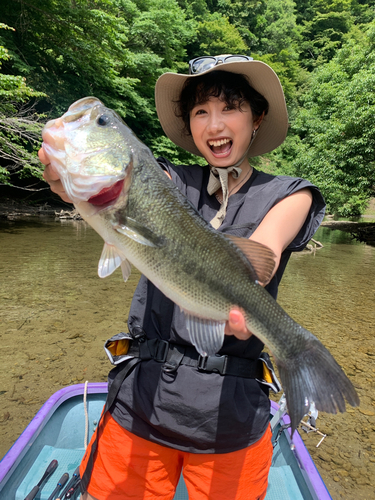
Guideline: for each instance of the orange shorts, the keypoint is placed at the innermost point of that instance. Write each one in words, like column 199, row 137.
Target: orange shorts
column 129, row 467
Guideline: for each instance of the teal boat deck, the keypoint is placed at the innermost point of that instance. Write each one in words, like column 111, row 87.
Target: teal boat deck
column 61, row 437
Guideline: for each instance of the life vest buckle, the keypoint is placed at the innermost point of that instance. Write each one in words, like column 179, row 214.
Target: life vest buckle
column 216, row 363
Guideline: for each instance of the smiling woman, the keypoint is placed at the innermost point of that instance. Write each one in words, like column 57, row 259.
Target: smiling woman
column 222, row 113
column 222, row 133
column 228, row 113
column 219, row 103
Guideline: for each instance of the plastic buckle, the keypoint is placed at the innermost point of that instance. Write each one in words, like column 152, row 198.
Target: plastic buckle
column 162, row 351
column 138, row 334
column 217, row 363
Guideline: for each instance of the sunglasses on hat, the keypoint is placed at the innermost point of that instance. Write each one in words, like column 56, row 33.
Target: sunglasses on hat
column 204, row 63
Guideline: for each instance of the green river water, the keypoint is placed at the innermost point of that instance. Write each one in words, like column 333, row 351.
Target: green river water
column 56, row 313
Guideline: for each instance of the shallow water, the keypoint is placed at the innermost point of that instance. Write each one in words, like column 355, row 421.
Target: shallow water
column 55, row 315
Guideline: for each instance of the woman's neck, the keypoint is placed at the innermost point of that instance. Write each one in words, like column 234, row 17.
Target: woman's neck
column 235, row 184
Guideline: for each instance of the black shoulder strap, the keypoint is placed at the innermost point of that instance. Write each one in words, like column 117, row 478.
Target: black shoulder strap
column 122, row 372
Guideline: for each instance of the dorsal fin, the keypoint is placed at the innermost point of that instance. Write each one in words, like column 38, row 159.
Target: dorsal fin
column 260, row 257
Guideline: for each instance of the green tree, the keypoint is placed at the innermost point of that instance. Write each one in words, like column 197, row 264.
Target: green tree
column 113, row 49
column 271, row 33
column 267, row 27
column 215, row 35
column 336, row 126
column 196, row 9
column 280, row 31
column 19, row 123
column 326, row 24
column 323, row 36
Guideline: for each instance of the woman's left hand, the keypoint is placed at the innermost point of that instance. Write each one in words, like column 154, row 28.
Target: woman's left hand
column 236, row 325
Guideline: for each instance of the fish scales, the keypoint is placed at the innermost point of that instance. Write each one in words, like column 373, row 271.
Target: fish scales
column 186, row 258
column 151, row 224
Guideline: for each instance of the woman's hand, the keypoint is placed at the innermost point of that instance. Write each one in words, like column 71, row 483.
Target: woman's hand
column 52, row 177
column 236, row 325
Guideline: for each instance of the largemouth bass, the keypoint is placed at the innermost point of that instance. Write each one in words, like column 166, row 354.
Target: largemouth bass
column 121, row 191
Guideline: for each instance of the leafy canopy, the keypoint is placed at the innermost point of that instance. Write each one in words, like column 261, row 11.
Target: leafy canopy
column 336, row 126
column 19, row 127
column 59, row 51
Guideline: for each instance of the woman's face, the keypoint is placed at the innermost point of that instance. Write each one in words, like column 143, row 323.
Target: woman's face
column 222, row 134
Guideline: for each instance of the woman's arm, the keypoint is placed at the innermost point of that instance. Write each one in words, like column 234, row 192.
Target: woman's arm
column 283, row 222
column 277, row 230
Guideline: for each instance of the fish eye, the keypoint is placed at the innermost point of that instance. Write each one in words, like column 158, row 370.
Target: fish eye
column 102, row 120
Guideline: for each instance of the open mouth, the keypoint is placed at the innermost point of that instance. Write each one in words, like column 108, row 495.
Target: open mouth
column 107, row 194
column 220, row 147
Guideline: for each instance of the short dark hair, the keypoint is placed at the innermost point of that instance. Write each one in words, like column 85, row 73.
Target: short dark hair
column 232, row 88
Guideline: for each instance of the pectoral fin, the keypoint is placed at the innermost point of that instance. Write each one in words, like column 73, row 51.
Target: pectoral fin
column 138, row 232
column 261, row 257
column 205, row 334
column 110, row 260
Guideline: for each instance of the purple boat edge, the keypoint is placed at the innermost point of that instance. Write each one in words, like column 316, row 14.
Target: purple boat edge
column 28, row 436
column 306, row 462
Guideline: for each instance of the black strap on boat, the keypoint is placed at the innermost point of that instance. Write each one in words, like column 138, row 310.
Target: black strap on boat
column 123, row 371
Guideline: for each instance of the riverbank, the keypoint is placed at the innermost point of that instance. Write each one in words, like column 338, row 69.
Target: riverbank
column 14, row 209
column 360, row 231
column 10, row 208
column 363, row 230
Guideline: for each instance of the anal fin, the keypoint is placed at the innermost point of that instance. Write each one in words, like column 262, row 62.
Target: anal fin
column 110, row 260
column 205, row 334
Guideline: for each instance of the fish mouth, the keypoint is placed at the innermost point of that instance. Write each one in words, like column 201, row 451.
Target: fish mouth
column 108, row 194
column 221, row 147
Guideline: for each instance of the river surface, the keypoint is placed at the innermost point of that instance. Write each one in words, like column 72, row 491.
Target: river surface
column 56, row 313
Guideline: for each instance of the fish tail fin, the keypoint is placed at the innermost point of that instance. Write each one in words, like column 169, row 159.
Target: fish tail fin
column 313, row 375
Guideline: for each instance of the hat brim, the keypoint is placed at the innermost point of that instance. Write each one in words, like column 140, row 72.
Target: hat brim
column 273, row 129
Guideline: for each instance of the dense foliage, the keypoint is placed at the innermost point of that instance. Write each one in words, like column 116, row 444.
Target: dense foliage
column 53, row 52
column 19, row 127
column 335, row 126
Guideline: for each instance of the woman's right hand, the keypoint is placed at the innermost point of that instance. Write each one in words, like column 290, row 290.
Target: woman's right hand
column 52, row 177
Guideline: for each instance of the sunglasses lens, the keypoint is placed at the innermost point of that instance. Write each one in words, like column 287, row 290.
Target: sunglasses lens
column 238, row 58
column 203, row 64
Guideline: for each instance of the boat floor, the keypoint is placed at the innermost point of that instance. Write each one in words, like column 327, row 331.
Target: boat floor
column 282, row 484
column 59, row 435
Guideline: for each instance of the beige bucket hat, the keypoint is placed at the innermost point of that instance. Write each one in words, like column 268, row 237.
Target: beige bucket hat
column 261, row 77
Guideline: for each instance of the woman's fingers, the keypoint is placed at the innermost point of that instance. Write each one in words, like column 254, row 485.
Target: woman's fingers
column 236, row 325
column 43, row 157
column 52, row 177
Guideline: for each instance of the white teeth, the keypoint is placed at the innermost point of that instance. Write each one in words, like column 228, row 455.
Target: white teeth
column 219, row 142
